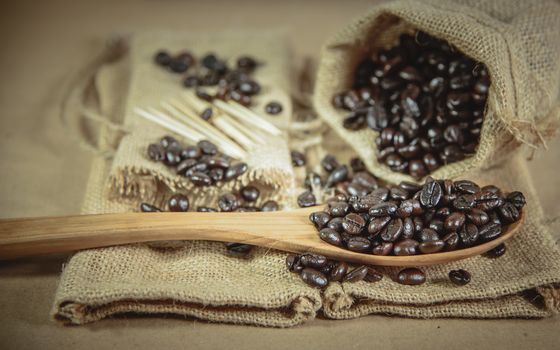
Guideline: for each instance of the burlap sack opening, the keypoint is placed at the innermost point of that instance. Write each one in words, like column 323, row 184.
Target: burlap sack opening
column 517, row 41
column 135, row 178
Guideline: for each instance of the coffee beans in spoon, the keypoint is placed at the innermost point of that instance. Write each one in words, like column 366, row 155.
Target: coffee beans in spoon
column 203, row 164
column 408, row 219
column 425, row 99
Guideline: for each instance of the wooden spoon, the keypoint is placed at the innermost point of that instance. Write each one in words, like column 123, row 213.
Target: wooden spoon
column 284, row 230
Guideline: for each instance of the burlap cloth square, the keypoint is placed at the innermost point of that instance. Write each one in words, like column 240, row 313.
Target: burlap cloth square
column 201, row 281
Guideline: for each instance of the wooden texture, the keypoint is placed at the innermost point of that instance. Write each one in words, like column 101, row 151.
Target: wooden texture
column 284, row 230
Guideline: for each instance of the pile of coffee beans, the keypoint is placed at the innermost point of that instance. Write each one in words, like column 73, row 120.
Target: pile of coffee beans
column 244, row 201
column 424, row 97
column 410, row 219
column 235, row 83
column 203, row 164
column 353, row 180
column 317, row 271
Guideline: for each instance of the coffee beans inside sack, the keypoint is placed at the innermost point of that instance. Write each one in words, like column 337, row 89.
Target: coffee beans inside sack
column 422, row 89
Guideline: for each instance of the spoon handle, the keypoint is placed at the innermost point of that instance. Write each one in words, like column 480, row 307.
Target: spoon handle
column 35, row 236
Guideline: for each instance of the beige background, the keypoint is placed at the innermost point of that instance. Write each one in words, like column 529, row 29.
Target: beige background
column 43, row 172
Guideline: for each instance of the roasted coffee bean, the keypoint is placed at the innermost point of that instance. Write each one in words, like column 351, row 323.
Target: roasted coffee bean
column 191, row 152
column 313, row 180
column 163, row 58
column 206, row 210
column 178, row 202
column 156, row 152
column 373, row 275
column 466, row 186
column 427, row 235
column 273, row 108
column 365, row 179
column 270, row 206
column 464, row 202
column 228, row 202
column 358, row 244
column 249, row 193
column 306, row 199
column 377, row 224
column 206, row 114
column 238, row 249
column 314, row 278
column 331, row 236
column 357, row 165
column 459, row 277
column 235, row 171
column 148, row 208
column 338, row 272
column 451, row 240
column 336, row 224
column 437, row 225
column 430, row 247
column 353, row 224
column 392, row 230
column 410, row 207
column 313, row 260
column 405, row 247
column 293, row 263
column 469, row 234
column 207, row 147
column 454, row 222
column 408, row 228
column 411, row 276
column 488, row 200
column 320, row 219
column 338, row 209
column 490, row 231
column 496, row 252
column 337, row 175
column 329, row 163
column 431, row 194
column 383, row 209
column 298, row 158
column 185, row 165
column 172, row 156
column 385, row 248
column 508, row 213
column 356, row 275
column 478, row 217
column 517, row 199
column 200, row 179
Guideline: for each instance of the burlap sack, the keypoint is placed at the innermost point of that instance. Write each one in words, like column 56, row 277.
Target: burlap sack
column 518, row 42
column 200, row 280
column 134, row 177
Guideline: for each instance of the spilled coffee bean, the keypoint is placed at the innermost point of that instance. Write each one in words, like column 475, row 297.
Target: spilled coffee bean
column 459, row 277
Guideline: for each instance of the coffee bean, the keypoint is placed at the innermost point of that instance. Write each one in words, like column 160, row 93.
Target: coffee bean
column 314, row 278
column 466, row 186
column 163, row 58
column 200, row 179
column 207, row 147
column 178, row 202
column 148, row 208
column 464, row 202
column 392, row 230
column 313, row 260
column 338, row 209
column 411, row 276
column 206, row 210
column 235, row 171
column 270, row 206
column 338, row 272
column 353, row 224
column 488, row 200
column 478, row 217
column 357, row 165
column 454, row 221
column 383, row 209
column 517, row 199
column 273, row 108
column 377, row 224
column 405, row 247
column 331, row 236
column 337, row 175
column 320, row 219
column 249, row 193
column 238, row 249
column 306, row 199
column 373, row 275
column 469, row 234
column 358, row 244
column 228, row 202
column 496, row 252
column 428, row 235
column 508, row 213
column 451, row 241
column 431, row 194
column 336, row 224
column 430, row 247
column 329, row 163
column 293, row 263
column 356, row 275
column 490, row 231
column 384, row 248
column 206, row 114
column 365, row 179
column 459, row 277
column 298, row 158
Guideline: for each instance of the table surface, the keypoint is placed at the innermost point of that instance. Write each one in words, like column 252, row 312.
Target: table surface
column 43, row 172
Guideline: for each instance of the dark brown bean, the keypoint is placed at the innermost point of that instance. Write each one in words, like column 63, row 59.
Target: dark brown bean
column 405, row 247
column 178, row 202
column 459, row 277
column 338, row 272
column 356, row 275
column 314, row 278
column 411, row 276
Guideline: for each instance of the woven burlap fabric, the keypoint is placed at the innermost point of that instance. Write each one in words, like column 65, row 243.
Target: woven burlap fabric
column 134, row 177
column 517, row 41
